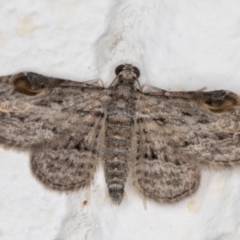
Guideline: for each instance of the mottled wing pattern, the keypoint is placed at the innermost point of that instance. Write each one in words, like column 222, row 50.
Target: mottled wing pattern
column 180, row 133
column 42, row 115
column 163, row 139
column 68, row 163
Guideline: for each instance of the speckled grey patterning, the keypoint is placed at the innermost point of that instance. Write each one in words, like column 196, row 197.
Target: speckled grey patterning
column 158, row 140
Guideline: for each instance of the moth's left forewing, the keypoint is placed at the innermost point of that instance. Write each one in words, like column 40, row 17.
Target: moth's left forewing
column 35, row 108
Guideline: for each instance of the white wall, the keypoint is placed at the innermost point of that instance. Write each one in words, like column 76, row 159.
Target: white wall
column 187, row 44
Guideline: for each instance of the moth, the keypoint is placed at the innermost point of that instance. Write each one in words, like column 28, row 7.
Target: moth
column 159, row 140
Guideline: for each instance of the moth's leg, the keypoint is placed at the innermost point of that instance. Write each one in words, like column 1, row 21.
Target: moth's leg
column 150, row 89
column 201, row 89
column 96, row 82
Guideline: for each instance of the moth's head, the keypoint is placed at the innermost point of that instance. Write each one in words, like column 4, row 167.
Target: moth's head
column 127, row 73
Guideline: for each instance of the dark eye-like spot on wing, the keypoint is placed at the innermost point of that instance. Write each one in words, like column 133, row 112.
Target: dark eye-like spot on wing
column 137, row 71
column 221, row 101
column 209, row 102
column 23, row 83
column 119, row 69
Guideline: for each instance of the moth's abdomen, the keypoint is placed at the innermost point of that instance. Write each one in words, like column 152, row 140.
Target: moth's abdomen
column 118, row 135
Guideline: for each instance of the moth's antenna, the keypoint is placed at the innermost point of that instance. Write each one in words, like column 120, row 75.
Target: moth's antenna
column 137, row 85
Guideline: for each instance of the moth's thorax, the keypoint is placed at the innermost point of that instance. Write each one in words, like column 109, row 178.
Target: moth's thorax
column 124, row 89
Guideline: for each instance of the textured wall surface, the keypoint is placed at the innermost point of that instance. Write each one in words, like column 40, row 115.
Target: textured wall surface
column 186, row 44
